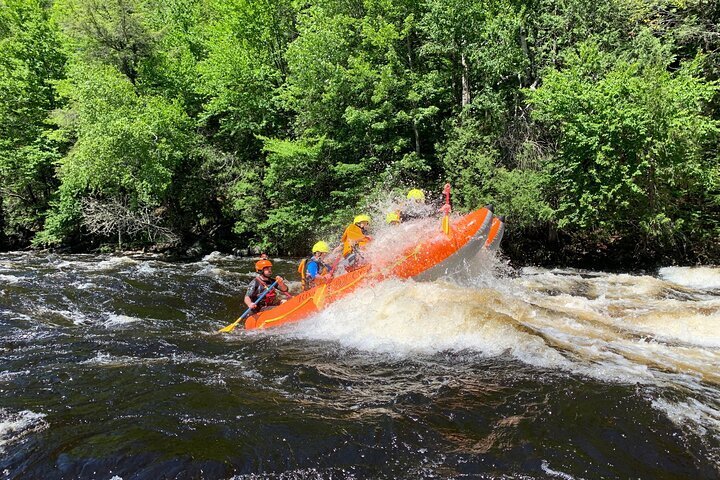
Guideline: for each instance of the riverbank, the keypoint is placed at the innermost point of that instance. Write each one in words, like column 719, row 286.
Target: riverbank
column 520, row 250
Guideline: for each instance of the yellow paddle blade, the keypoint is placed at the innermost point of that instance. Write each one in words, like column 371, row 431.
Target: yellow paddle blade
column 319, row 297
column 230, row 327
column 446, row 225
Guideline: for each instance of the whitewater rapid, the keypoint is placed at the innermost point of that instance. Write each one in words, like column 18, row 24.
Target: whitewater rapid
column 128, row 345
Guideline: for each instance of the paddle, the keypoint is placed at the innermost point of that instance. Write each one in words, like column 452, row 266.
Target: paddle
column 232, row 326
column 335, row 265
column 446, row 209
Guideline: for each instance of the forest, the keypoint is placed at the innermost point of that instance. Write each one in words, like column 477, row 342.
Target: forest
column 267, row 124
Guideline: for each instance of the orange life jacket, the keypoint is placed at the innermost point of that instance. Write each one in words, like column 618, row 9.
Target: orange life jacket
column 308, row 283
column 269, row 298
column 352, row 237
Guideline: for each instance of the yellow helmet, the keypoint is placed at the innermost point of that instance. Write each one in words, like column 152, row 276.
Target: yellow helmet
column 392, row 217
column 416, row 194
column 361, row 218
column 321, row 247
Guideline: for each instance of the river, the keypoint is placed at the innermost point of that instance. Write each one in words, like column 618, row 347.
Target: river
column 110, row 368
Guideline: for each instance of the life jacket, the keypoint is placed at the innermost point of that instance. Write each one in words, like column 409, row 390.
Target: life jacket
column 352, row 238
column 269, row 298
column 308, row 283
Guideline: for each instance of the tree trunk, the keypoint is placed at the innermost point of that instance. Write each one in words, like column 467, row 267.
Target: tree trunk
column 465, row 80
column 417, row 137
column 2, row 226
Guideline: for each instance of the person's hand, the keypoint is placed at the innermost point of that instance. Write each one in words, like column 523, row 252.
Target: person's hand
column 252, row 306
column 280, row 280
column 446, row 209
column 369, row 238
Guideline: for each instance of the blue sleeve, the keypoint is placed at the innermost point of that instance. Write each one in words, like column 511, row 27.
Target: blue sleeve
column 312, row 270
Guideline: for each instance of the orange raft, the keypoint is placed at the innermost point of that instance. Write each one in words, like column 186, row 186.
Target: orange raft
column 432, row 256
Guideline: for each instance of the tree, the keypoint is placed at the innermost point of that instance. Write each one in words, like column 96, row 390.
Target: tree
column 31, row 61
column 632, row 154
column 127, row 147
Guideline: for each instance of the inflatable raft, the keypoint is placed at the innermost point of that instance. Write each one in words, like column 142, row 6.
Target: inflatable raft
column 432, row 257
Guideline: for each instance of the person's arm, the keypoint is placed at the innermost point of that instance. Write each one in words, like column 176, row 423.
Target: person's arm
column 249, row 294
column 281, row 284
column 312, row 270
column 249, row 303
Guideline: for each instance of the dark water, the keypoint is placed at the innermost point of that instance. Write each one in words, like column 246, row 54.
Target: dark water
column 109, row 369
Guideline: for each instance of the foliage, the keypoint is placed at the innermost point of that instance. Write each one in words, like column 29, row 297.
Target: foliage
column 267, row 124
column 632, row 136
column 126, row 145
column 30, row 63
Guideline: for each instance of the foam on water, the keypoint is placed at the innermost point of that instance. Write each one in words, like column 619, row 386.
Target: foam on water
column 112, row 263
column 7, row 376
column 215, row 272
column 72, row 315
column 703, row 278
column 409, row 318
column 15, row 425
column 704, row 418
column 114, row 320
column 218, row 257
column 145, row 269
column 555, row 473
column 614, row 328
column 107, row 360
column 9, row 279
column 674, row 322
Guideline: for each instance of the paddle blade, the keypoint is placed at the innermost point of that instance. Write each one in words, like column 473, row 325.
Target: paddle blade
column 230, row 327
column 446, row 225
column 319, row 297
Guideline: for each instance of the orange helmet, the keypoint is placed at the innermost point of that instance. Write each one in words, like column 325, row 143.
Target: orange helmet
column 260, row 264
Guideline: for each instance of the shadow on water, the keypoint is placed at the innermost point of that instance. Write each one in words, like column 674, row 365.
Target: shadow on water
column 109, row 368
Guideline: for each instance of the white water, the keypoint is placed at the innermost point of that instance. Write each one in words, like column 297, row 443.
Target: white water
column 15, row 425
column 615, row 328
column 704, row 278
column 661, row 332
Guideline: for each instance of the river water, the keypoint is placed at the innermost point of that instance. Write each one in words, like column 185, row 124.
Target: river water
column 110, row 369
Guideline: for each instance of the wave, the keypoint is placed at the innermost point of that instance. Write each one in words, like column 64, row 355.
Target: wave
column 705, row 278
column 16, row 425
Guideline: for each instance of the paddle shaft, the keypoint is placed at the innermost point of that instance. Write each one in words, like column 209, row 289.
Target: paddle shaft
column 446, row 191
column 262, row 295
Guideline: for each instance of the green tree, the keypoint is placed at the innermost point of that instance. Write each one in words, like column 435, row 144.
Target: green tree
column 632, row 146
column 31, row 61
column 127, row 147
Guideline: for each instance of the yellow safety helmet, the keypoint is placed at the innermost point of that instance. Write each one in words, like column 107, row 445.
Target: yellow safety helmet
column 392, row 217
column 361, row 218
column 416, row 194
column 321, row 247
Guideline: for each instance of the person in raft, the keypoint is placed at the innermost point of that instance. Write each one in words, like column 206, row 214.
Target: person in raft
column 258, row 285
column 354, row 239
column 314, row 270
column 393, row 218
column 415, row 207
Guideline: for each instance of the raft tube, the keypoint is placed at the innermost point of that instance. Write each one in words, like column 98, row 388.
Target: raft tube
column 497, row 230
column 454, row 262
